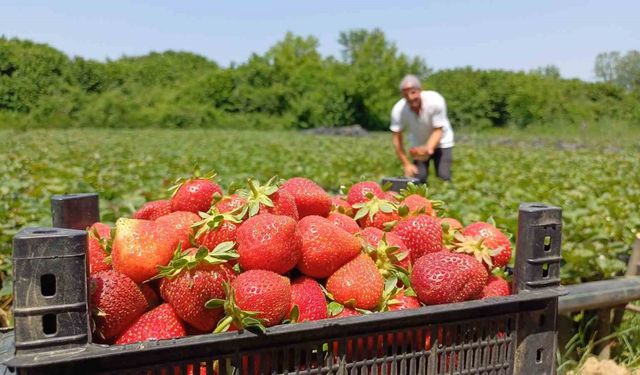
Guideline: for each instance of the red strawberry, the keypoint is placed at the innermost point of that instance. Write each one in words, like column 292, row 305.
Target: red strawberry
column 194, row 195
column 229, row 203
column 403, row 302
column 150, row 295
column 418, row 204
column 269, row 242
column 344, row 222
column 493, row 239
column 346, row 312
column 358, row 193
column 325, row 247
column 99, row 247
column 116, row 302
column 267, row 198
column 255, row 298
column 451, row 222
column 181, row 223
column 158, row 324
column 391, row 196
column 153, row 210
column 311, row 199
column 194, row 277
column 421, row 234
column 357, row 282
column 376, row 212
column 386, row 249
column 496, row 287
column 340, row 205
column 445, row 277
column 308, row 296
column 216, row 228
column 139, row 246
column 415, row 197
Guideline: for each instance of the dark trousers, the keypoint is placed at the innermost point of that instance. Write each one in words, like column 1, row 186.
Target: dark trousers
column 442, row 159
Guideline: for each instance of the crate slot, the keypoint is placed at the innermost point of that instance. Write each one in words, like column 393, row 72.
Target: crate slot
column 48, row 285
column 49, row 324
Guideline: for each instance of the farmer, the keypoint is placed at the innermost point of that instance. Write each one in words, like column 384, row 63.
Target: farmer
column 424, row 115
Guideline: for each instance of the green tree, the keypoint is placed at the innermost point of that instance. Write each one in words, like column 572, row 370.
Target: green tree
column 376, row 68
column 606, row 66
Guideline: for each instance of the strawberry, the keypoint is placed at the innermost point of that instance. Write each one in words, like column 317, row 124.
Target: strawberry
column 358, row 193
column 376, row 212
column 496, row 287
column 344, row 222
column 415, row 197
column 180, row 223
column 267, row 199
column 325, row 247
column 99, row 247
column 139, row 246
column 309, row 298
column 311, row 199
column 194, row 277
column 391, row 196
column 357, row 283
column 153, row 210
column 150, row 295
column 451, row 222
column 490, row 241
column 194, row 195
column 340, row 205
column 387, row 250
column 256, row 298
column 216, row 228
column 346, row 312
column 158, row 324
column 397, row 298
column 402, row 301
column 446, row 277
column 421, row 234
column 116, row 301
column 269, row 242
column 229, row 203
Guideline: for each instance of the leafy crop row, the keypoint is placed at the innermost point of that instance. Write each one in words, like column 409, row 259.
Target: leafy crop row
column 598, row 188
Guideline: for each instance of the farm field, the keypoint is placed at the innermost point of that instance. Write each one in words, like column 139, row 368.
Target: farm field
column 594, row 181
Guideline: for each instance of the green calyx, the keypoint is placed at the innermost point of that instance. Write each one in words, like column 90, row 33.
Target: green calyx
column 214, row 220
column 386, row 257
column 105, row 243
column 256, row 196
column 391, row 292
column 241, row 319
column 372, row 206
column 474, row 247
column 413, row 189
column 184, row 260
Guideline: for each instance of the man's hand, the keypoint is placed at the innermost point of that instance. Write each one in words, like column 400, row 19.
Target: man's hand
column 421, row 152
column 410, row 170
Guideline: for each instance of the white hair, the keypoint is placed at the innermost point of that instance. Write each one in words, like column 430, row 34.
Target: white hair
column 410, row 81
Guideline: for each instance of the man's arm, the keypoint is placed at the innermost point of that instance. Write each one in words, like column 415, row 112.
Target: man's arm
column 433, row 141
column 410, row 169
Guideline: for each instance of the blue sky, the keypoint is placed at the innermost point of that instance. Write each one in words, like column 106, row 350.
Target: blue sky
column 516, row 35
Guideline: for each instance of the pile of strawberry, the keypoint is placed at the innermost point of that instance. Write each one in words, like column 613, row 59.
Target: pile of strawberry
column 282, row 252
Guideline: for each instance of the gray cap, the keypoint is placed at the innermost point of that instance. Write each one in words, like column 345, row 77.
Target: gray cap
column 410, row 81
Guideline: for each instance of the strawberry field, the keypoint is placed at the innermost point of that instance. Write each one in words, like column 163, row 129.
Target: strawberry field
column 596, row 183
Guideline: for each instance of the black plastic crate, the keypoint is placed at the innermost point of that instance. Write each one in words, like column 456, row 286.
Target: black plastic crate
column 506, row 335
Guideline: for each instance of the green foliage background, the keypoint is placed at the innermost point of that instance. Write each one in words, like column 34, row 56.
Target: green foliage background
column 290, row 86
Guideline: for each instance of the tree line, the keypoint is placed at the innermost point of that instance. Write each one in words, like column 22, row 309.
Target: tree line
column 290, row 86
